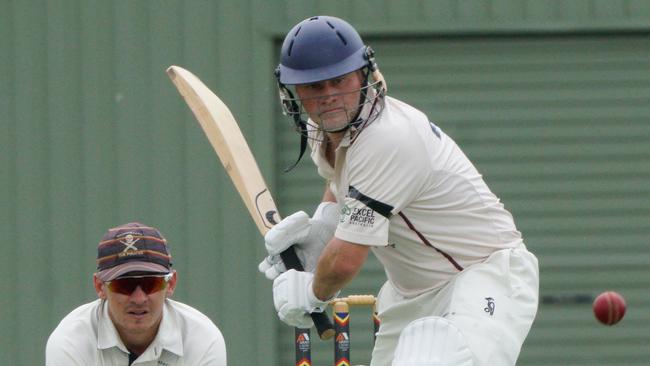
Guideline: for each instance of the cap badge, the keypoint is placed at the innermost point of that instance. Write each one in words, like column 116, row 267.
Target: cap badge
column 129, row 243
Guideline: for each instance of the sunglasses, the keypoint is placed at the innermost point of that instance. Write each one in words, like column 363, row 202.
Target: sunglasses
column 148, row 284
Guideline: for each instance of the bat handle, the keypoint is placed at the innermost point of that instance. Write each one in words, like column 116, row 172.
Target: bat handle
column 322, row 322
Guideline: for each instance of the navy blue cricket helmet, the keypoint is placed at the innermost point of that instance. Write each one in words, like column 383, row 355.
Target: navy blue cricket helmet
column 320, row 48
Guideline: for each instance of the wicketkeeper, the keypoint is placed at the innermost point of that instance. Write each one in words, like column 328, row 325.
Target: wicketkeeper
column 461, row 289
column 134, row 321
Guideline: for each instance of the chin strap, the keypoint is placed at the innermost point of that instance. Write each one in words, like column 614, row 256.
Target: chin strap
column 303, row 143
column 289, row 104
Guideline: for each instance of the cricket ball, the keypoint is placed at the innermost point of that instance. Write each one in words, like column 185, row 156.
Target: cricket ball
column 609, row 307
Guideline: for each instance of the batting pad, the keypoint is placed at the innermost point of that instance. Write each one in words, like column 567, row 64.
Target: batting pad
column 432, row 341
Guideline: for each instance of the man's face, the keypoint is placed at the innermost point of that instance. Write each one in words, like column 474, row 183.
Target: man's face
column 138, row 314
column 332, row 103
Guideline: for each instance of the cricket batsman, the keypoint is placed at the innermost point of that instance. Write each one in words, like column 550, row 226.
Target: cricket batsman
column 461, row 289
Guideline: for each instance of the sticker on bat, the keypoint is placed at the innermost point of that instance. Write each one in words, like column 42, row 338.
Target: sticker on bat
column 266, row 208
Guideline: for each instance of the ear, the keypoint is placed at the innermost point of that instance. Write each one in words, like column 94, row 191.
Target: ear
column 171, row 285
column 100, row 289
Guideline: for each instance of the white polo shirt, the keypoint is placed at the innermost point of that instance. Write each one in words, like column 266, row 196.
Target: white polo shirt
column 405, row 188
column 87, row 336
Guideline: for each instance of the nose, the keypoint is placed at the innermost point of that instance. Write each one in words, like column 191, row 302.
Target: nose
column 138, row 296
column 330, row 93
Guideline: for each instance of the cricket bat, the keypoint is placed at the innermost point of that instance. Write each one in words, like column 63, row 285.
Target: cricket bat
column 229, row 143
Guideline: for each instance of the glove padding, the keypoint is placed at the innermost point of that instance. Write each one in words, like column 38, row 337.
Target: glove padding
column 294, row 298
column 309, row 235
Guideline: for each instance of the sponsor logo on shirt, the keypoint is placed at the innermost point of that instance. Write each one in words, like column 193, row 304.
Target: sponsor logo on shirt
column 363, row 216
column 345, row 212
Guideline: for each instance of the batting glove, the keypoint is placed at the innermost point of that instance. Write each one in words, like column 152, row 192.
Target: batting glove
column 294, row 298
column 309, row 235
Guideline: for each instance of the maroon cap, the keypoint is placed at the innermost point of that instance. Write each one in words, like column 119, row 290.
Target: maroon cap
column 132, row 247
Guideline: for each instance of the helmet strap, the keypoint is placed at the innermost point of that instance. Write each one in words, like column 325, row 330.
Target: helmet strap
column 303, row 141
column 301, row 125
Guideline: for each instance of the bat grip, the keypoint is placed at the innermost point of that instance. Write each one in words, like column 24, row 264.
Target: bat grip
column 322, row 322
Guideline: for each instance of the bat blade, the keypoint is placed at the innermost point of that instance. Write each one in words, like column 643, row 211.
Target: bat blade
column 223, row 132
column 226, row 138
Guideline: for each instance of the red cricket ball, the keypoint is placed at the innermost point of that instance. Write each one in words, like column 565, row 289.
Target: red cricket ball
column 609, row 307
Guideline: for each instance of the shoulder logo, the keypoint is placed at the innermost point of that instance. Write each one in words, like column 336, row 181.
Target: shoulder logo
column 359, row 216
column 345, row 212
column 362, row 217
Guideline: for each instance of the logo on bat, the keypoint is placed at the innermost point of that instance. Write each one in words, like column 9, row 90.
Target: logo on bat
column 266, row 208
column 270, row 216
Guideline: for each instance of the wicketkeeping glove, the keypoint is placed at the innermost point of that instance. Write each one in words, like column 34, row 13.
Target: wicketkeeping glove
column 294, row 298
column 309, row 235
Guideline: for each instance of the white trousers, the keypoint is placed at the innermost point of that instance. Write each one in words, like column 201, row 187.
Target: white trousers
column 493, row 304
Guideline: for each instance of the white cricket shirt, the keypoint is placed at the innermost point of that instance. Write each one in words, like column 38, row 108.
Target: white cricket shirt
column 405, row 188
column 87, row 336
